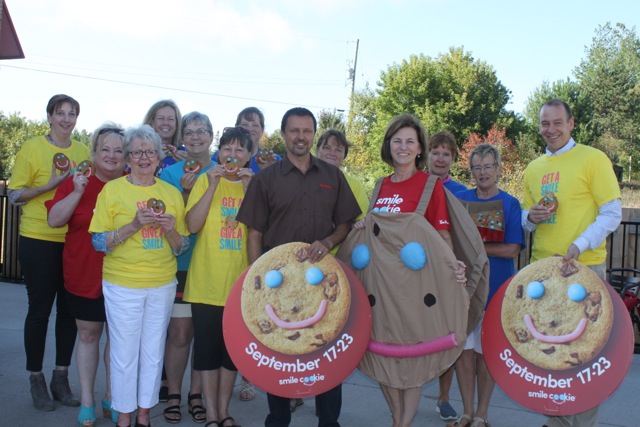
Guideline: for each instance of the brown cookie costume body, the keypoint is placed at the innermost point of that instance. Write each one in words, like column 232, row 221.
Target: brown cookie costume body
column 557, row 314
column 291, row 305
column 420, row 313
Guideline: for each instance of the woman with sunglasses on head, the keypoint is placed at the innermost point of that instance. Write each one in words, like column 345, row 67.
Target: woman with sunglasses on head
column 211, row 212
column 139, row 223
column 197, row 134
column 72, row 206
column 42, row 164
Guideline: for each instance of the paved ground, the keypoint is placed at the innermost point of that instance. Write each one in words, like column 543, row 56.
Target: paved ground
column 363, row 404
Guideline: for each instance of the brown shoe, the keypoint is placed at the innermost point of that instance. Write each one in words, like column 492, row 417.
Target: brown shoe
column 39, row 393
column 60, row 389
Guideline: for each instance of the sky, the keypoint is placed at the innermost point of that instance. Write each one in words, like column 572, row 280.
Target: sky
column 119, row 57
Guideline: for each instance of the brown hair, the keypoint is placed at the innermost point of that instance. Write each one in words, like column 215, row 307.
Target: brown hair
column 400, row 122
column 57, row 100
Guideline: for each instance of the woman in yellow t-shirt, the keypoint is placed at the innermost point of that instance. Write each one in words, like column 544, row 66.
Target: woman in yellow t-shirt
column 139, row 223
column 42, row 164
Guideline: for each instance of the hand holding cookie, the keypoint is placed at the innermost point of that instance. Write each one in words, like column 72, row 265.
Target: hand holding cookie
column 80, row 182
column 166, row 221
column 538, row 213
column 214, row 174
column 158, row 208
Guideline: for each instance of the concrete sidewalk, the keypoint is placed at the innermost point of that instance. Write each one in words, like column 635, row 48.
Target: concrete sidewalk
column 363, row 403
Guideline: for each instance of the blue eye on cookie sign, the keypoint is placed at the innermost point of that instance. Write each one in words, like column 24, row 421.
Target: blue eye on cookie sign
column 296, row 328
column 548, row 338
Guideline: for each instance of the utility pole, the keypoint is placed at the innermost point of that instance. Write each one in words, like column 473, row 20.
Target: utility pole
column 352, row 71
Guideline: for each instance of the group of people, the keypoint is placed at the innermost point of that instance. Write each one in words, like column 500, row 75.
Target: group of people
column 135, row 245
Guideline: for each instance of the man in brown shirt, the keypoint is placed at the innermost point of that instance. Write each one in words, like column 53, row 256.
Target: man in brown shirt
column 299, row 199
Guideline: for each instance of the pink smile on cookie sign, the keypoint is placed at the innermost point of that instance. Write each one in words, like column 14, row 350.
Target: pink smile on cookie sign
column 548, row 338
column 296, row 328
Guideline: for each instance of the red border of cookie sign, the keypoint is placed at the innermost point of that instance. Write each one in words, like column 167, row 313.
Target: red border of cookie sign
column 304, row 375
column 552, row 392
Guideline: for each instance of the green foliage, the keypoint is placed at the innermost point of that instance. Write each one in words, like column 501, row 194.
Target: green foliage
column 14, row 130
column 328, row 119
column 274, row 141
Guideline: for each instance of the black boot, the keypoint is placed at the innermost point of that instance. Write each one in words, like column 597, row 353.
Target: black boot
column 39, row 393
column 60, row 389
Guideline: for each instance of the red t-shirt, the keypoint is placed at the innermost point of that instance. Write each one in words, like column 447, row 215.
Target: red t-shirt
column 404, row 197
column 82, row 264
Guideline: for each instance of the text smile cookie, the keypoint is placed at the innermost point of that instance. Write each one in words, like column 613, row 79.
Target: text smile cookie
column 557, row 314
column 294, row 306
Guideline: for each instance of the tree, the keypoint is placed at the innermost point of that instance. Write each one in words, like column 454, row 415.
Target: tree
column 14, row 130
column 328, row 119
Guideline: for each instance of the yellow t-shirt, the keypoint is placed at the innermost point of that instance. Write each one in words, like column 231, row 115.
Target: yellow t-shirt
column 582, row 180
column 33, row 169
column 220, row 254
column 360, row 194
column 144, row 260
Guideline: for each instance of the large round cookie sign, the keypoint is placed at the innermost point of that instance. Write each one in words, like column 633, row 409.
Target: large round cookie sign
column 296, row 328
column 556, row 338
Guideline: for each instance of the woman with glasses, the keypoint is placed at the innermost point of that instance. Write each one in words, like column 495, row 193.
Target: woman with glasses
column 219, row 257
column 72, row 207
column 165, row 118
column 197, row 134
column 42, row 164
column 499, row 225
column 139, row 223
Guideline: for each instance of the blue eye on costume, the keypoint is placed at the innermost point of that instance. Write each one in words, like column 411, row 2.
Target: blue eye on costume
column 535, row 290
column 413, row 256
column 360, row 257
column 576, row 292
column 314, row 275
column 273, row 278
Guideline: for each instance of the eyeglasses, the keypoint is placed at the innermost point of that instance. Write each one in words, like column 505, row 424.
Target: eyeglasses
column 199, row 133
column 148, row 153
column 485, row 168
column 111, row 130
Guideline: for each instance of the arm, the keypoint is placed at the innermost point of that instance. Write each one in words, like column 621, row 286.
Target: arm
column 446, row 236
column 23, row 195
column 502, row 250
column 318, row 249
column 197, row 215
column 606, row 222
column 61, row 212
column 254, row 248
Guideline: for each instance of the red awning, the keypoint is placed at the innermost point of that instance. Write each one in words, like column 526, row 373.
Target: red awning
column 9, row 44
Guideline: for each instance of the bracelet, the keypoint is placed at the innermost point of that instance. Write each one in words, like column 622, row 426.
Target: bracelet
column 116, row 237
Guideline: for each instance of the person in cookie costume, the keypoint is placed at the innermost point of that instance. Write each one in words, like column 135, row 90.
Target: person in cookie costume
column 139, row 272
column 73, row 205
column 222, row 243
column 299, row 199
column 197, row 134
column 499, row 216
column 582, row 180
column 34, row 180
column 414, row 286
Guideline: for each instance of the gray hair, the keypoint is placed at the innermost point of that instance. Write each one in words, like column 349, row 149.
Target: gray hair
column 197, row 117
column 145, row 133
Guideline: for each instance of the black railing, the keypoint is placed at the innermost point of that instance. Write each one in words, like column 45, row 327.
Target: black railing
column 10, row 220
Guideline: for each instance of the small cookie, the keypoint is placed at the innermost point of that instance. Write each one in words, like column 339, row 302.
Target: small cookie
column 549, row 201
column 557, row 314
column 231, row 222
column 192, row 166
column 264, row 153
column 169, row 150
column 158, row 207
column 85, row 167
column 231, row 167
column 291, row 305
column 61, row 162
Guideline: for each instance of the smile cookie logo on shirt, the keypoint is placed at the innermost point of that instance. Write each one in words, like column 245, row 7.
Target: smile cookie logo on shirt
column 557, row 314
column 294, row 306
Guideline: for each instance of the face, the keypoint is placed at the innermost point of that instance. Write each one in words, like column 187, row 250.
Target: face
column 110, row 154
column 252, row 124
column 197, row 138
column 235, row 150
column 440, row 159
column 484, row 171
column 145, row 165
column 405, row 147
column 165, row 123
column 298, row 135
column 555, row 128
column 63, row 120
column 332, row 151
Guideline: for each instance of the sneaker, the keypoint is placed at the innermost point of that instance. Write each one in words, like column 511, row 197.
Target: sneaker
column 446, row 411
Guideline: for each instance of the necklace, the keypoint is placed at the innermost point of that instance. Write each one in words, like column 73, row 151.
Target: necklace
column 51, row 141
column 130, row 179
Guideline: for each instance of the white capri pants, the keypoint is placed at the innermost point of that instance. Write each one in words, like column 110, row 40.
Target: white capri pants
column 138, row 319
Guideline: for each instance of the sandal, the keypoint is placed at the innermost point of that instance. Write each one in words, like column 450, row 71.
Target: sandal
column 247, row 391
column 87, row 416
column 212, row 423
column 198, row 413
column 221, row 423
column 463, row 421
column 294, row 403
column 172, row 413
column 109, row 412
column 477, row 422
